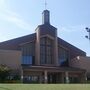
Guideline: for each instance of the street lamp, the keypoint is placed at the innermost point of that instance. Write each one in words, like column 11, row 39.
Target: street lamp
column 88, row 30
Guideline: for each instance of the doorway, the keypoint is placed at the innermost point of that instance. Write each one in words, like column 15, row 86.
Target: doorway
column 52, row 77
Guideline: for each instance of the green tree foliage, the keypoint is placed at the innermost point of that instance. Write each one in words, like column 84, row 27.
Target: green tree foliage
column 4, row 72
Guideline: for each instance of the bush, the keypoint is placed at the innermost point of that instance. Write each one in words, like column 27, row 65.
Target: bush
column 4, row 73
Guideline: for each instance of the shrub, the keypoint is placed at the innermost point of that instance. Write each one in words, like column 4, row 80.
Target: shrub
column 4, row 72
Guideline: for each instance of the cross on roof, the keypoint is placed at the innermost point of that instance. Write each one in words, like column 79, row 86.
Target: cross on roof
column 45, row 4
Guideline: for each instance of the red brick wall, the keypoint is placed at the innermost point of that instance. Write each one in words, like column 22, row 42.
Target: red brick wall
column 81, row 62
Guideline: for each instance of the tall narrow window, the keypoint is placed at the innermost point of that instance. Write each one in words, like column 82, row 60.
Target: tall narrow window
column 63, row 57
column 46, row 51
column 28, row 54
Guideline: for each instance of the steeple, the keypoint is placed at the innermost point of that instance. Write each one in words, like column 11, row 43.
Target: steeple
column 46, row 17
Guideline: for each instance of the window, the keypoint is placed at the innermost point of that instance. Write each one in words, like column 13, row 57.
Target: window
column 46, row 51
column 28, row 54
column 31, row 79
column 26, row 59
column 63, row 57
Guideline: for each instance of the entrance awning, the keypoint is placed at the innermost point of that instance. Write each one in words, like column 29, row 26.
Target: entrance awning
column 52, row 69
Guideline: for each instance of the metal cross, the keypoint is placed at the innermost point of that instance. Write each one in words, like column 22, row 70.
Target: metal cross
column 45, row 4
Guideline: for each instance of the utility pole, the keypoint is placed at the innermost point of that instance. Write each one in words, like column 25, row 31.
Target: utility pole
column 88, row 36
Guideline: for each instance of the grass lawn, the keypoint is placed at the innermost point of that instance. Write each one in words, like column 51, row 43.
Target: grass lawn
column 44, row 87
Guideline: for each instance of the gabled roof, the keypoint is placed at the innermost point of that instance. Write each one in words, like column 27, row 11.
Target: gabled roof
column 14, row 44
column 74, row 51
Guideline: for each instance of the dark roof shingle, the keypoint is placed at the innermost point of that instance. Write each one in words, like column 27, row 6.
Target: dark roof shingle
column 14, row 44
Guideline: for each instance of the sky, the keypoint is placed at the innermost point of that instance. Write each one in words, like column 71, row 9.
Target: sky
column 70, row 17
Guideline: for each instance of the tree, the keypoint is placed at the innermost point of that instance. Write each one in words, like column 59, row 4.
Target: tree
column 4, row 72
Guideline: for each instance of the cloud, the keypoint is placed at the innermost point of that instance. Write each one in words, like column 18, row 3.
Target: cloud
column 12, row 17
column 2, row 37
column 2, row 2
column 17, row 20
column 70, row 29
column 2, row 5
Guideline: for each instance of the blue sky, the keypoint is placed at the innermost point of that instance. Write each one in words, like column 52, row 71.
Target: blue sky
column 21, row 17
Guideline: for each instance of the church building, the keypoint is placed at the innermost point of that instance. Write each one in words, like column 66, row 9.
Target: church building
column 42, row 57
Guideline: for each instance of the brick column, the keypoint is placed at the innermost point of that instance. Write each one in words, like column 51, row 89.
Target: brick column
column 37, row 47
column 22, row 76
column 45, row 77
column 83, row 77
column 56, row 50
column 67, row 77
column 40, row 79
column 62, row 77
